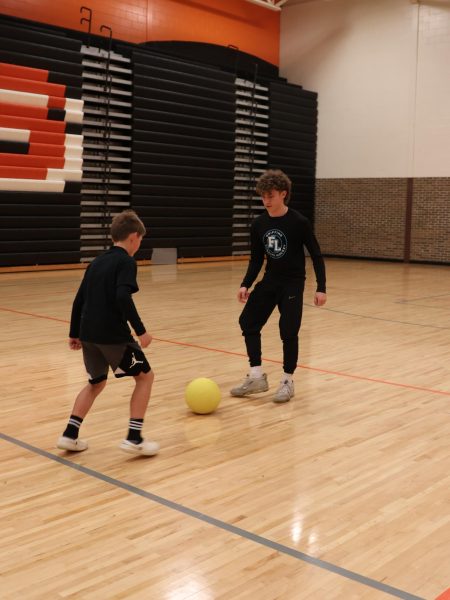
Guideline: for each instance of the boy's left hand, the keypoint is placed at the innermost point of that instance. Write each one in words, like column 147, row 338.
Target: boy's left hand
column 320, row 298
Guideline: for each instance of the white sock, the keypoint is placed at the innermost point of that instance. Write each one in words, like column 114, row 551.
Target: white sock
column 256, row 372
column 286, row 377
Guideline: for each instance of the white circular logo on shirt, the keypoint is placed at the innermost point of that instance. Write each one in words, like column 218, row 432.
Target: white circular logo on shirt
column 275, row 243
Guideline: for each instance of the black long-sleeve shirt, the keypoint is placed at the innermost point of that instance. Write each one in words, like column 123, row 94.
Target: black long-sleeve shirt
column 104, row 305
column 282, row 241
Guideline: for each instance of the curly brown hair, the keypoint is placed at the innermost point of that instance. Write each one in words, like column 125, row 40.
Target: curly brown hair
column 274, row 179
column 124, row 224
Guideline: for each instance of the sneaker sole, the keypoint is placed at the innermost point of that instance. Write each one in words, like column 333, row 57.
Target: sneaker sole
column 137, row 452
column 71, row 449
column 277, row 401
column 249, row 393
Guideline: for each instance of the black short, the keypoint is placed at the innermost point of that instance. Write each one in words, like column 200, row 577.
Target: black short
column 125, row 360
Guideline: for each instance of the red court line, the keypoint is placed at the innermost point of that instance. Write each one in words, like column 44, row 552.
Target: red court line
column 21, row 312
column 271, row 360
column 327, row 371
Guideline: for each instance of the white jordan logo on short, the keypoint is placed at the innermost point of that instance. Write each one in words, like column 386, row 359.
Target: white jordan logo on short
column 135, row 362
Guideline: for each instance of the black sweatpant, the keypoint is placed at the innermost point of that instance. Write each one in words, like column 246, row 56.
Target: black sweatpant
column 266, row 295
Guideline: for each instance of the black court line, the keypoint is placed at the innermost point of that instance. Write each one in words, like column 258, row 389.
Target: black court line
column 317, row 562
column 422, row 298
column 427, row 306
column 350, row 314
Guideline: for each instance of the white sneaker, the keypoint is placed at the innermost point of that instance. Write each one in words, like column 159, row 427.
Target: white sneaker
column 145, row 448
column 285, row 392
column 255, row 385
column 66, row 443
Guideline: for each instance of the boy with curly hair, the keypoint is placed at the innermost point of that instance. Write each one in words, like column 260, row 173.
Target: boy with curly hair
column 279, row 235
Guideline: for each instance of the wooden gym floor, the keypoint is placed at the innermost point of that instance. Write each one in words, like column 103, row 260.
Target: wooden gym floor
column 343, row 493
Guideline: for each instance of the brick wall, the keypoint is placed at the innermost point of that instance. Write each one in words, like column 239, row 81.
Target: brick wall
column 367, row 218
column 430, row 229
column 361, row 217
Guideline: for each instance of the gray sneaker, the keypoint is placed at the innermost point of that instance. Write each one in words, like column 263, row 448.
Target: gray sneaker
column 285, row 392
column 66, row 443
column 251, row 386
column 145, row 448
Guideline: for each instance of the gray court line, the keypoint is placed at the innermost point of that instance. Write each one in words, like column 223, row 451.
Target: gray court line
column 343, row 312
column 317, row 562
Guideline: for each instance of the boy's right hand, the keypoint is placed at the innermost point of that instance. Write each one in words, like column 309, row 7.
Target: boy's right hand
column 145, row 340
column 243, row 294
column 74, row 344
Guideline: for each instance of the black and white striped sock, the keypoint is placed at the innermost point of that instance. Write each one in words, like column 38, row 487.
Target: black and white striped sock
column 73, row 426
column 134, row 432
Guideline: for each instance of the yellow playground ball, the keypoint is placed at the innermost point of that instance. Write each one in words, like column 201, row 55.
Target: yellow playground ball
column 202, row 395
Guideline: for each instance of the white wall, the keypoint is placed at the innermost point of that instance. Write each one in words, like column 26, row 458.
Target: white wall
column 382, row 71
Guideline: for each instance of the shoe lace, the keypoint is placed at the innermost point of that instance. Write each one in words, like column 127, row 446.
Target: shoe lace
column 285, row 387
